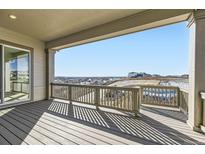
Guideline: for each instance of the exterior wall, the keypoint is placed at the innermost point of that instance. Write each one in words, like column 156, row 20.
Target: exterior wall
column 197, row 69
column 50, row 60
column 39, row 59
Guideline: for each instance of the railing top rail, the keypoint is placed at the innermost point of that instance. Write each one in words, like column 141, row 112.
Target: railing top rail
column 20, row 82
column 112, row 87
column 94, row 86
column 184, row 90
column 158, row 86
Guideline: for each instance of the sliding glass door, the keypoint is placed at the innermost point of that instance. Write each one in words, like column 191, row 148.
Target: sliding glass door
column 15, row 76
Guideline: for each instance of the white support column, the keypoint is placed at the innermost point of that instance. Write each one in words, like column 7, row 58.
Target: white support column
column 50, row 70
column 196, row 67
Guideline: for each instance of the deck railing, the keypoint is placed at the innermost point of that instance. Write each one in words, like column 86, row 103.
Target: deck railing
column 22, row 87
column 160, row 95
column 127, row 99
column 165, row 96
column 183, row 100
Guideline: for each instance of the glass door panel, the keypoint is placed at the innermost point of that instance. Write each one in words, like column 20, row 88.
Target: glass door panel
column 16, row 75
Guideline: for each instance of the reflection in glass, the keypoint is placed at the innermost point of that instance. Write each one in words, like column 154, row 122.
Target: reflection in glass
column 16, row 75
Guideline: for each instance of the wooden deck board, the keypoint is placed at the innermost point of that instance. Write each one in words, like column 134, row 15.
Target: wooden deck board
column 19, row 133
column 80, row 131
column 29, row 136
column 53, row 122
column 31, row 130
column 3, row 141
column 55, row 138
column 9, row 136
column 96, row 134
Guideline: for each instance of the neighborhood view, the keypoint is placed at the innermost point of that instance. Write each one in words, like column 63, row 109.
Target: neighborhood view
column 133, row 79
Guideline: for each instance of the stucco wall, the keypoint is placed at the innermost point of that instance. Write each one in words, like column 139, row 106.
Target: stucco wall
column 39, row 59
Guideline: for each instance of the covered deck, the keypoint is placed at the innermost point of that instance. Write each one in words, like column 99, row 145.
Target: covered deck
column 88, row 122
column 61, row 122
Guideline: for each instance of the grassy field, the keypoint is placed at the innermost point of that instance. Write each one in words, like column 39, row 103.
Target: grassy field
column 134, row 83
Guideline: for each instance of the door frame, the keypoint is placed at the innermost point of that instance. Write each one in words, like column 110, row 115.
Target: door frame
column 1, row 74
column 4, row 43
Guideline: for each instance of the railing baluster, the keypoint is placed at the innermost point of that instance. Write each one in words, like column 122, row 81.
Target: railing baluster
column 83, row 93
column 70, row 93
column 51, row 90
column 86, row 96
column 103, row 97
column 178, row 97
column 97, row 90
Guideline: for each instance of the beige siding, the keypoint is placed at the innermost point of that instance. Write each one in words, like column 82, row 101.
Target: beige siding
column 39, row 71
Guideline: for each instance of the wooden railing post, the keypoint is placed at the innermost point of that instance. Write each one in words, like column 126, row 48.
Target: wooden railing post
column 140, row 95
column 178, row 98
column 21, row 87
column 70, row 93
column 12, row 86
column 136, row 101
column 183, row 100
column 51, row 90
column 97, row 97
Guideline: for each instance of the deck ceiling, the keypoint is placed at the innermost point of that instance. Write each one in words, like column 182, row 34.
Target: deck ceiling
column 47, row 25
column 65, row 28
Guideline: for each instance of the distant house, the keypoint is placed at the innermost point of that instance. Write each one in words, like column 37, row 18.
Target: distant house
column 156, row 75
column 186, row 76
column 137, row 75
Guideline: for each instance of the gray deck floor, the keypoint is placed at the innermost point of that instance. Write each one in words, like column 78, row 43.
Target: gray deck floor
column 59, row 122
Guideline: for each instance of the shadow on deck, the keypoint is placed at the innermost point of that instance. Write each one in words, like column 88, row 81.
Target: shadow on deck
column 58, row 122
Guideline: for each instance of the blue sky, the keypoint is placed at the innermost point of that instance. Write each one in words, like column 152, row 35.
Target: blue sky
column 161, row 50
column 20, row 63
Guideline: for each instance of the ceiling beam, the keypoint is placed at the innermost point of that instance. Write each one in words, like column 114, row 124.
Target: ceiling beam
column 133, row 23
